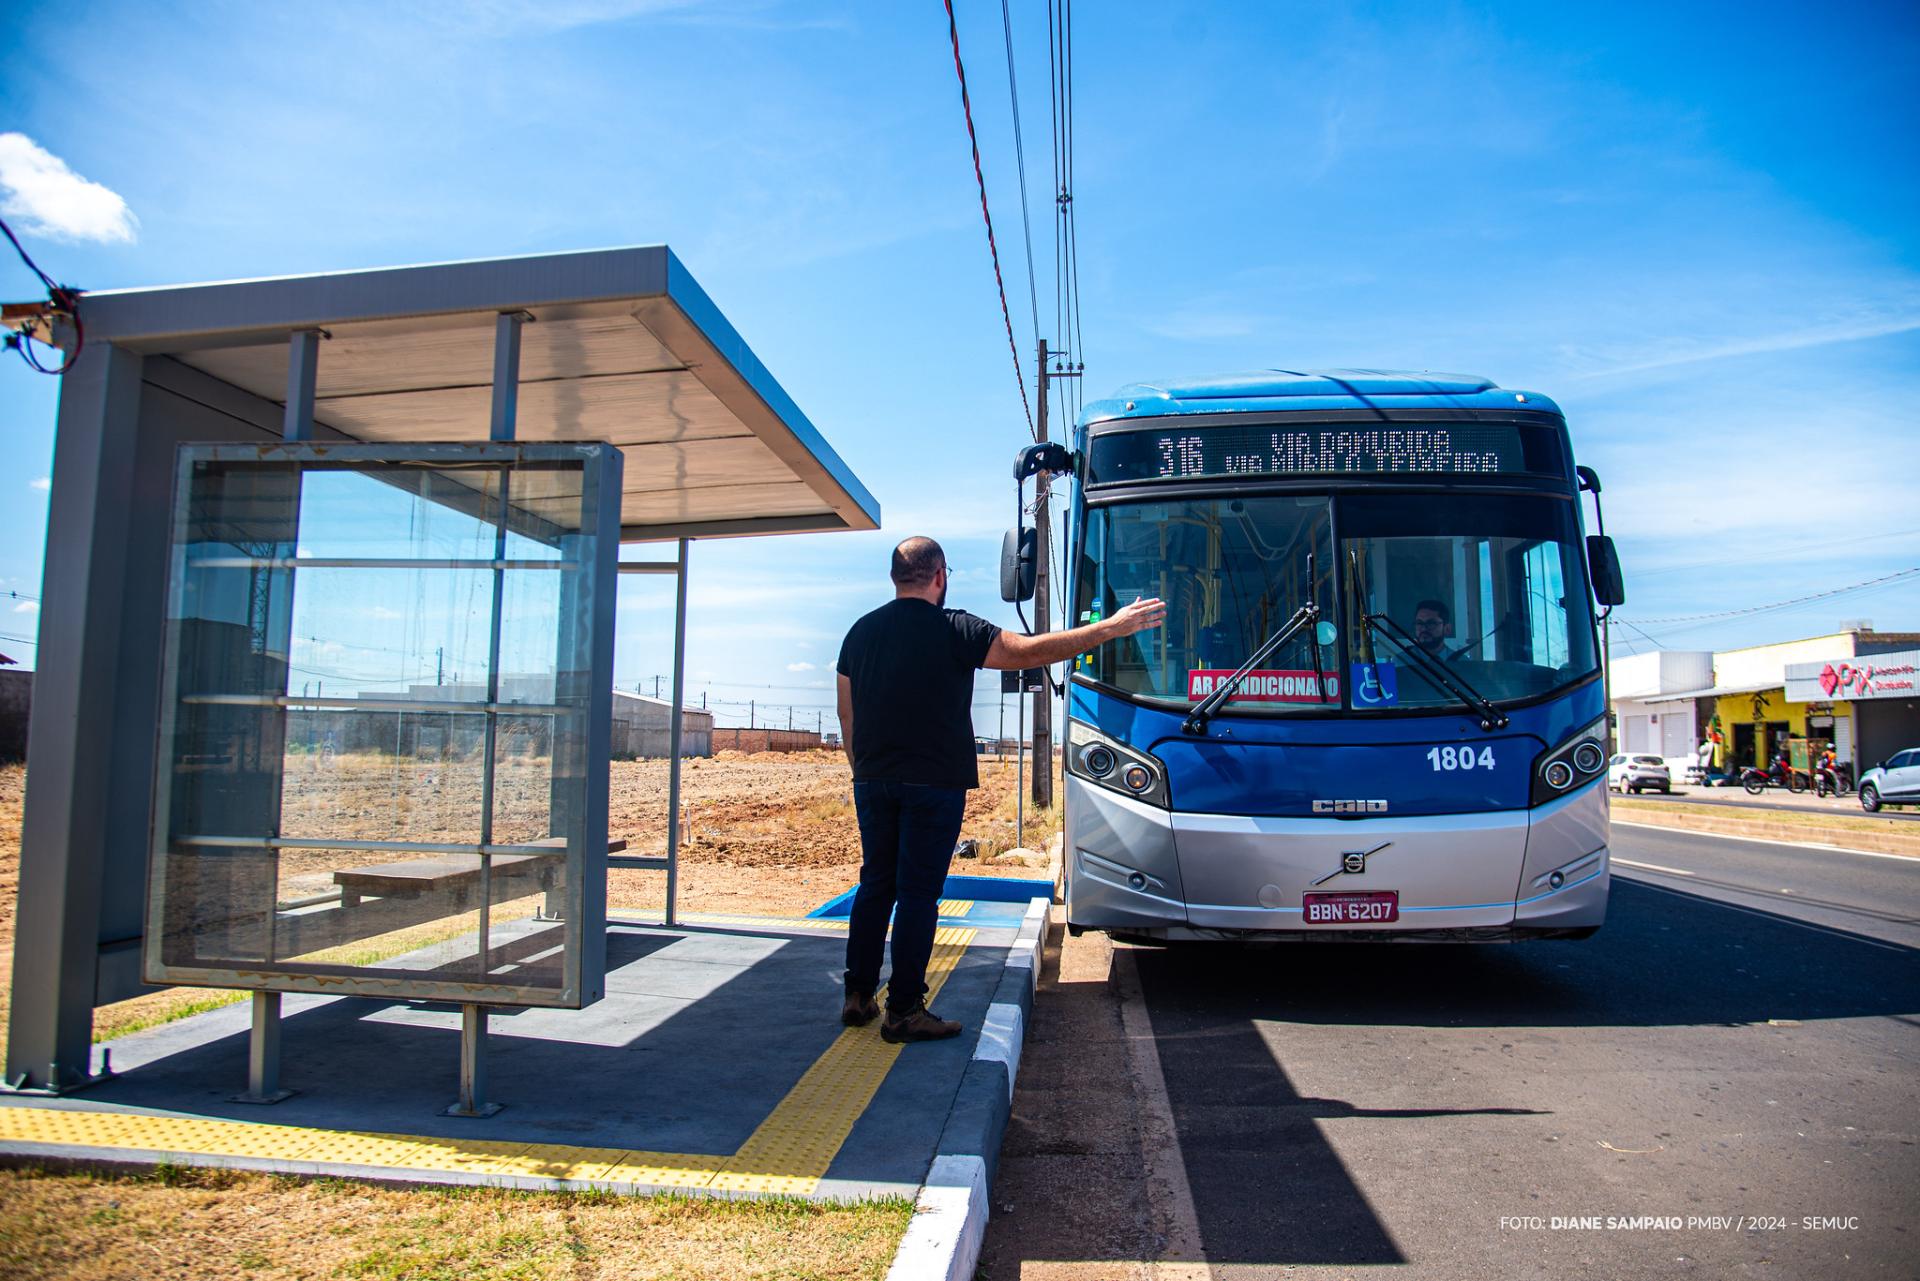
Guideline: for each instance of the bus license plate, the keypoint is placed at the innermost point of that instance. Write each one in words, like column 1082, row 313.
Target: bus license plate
column 1352, row 909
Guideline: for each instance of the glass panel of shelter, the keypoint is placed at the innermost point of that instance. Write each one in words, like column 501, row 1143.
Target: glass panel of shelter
column 374, row 758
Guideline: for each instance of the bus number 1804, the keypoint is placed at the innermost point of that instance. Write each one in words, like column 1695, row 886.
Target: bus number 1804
column 1459, row 758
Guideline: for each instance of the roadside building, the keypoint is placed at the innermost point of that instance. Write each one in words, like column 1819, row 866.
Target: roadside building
column 1882, row 690
column 1761, row 695
column 1652, row 700
column 640, row 726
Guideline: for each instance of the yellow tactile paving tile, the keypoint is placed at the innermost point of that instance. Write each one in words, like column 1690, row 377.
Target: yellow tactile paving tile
column 793, row 1147
column 955, row 906
column 416, row 1152
column 665, row 1169
column 164, row 1134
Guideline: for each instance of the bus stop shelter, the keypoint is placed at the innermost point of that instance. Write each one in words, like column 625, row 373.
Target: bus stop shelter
column 232, row 457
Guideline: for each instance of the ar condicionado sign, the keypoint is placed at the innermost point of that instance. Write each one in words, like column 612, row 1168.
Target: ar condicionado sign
column 1265, row 686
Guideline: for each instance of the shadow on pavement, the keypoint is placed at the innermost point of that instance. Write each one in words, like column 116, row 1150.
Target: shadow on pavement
column 1665, row 958
column 1267, row 1186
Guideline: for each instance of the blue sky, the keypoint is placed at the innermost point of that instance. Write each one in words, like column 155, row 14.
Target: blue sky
column 1692, row 225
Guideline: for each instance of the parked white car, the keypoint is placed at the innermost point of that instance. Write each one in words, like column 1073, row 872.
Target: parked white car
column 1897, row 782
column 1629, row 773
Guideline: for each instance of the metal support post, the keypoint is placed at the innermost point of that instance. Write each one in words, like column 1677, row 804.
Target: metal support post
column 263, row 1053
column 506, row 374
column 303, row 367
column 473, row 1065
column 673, row 730
column 1042, row 592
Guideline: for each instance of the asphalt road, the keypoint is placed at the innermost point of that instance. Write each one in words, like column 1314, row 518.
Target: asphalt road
column 1736, row 1055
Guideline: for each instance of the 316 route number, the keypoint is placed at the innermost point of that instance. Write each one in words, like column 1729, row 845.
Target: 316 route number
column 1453, row 758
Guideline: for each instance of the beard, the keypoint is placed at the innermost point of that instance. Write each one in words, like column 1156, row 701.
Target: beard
column 942, row 602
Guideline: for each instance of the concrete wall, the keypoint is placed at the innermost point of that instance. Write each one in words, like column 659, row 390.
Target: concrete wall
column 16, row 701
column 641, row 725
column 765, row 740
column 1660, row 672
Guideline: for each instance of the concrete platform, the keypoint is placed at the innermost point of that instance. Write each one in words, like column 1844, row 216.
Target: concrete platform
column 715, row 1065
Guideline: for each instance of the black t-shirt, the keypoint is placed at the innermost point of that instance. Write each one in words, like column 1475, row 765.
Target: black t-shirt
column 911, row 664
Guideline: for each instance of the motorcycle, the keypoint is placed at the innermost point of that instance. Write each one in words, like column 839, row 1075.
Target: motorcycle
column 1778, row 774
column 1833, row 782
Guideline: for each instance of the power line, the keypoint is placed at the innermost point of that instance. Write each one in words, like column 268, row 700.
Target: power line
column 1783, row 604
column 999, row 282
column 1020, row 160
column 61, row 299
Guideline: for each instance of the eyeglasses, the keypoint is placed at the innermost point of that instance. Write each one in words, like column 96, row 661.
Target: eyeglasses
column 1428, row 622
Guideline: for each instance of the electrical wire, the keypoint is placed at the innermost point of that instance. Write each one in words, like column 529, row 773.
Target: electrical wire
column 1784, row 604
column 1020, row 161
column 993, row 249
column 63, row 298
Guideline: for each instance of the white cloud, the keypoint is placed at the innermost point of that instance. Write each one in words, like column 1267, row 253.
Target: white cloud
column 41, row 483
column 27, row 607
column 799, row 667
column 52, row 200
column 1796, row 340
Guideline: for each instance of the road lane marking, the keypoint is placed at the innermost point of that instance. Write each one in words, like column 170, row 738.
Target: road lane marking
column 1653, row 867
column 1181, row 1257
column 1761, row 840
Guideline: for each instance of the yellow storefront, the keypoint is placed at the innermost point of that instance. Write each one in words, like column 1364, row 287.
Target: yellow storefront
column 1753, row 724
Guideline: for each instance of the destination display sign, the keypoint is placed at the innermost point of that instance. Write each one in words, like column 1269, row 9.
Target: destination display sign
column 1478, row 450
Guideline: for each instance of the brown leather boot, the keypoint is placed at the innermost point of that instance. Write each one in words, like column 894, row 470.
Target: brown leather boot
column 860, row 1009
column 917, row 1024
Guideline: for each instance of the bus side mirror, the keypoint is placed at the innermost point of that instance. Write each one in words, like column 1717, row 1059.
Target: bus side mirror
column 1589, row 479
column 1609, row 587
column 1018, row 563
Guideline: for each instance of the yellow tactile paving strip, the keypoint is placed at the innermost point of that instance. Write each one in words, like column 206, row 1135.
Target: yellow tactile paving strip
column 792, row 1148
column 789, row 1153
column 955, row 906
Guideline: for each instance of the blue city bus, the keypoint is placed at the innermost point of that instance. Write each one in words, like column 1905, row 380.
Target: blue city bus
column 1376, row 709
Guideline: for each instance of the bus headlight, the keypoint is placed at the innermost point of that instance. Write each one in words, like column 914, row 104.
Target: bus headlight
column 1111, row 764
column 1578, row 760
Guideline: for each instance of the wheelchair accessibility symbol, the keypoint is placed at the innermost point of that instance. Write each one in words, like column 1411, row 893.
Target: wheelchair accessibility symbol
column 1375, row 685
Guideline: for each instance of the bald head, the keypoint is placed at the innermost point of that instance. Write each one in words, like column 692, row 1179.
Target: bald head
column 917, row 562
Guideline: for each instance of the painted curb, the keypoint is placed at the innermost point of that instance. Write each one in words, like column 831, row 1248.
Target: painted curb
column 949, row 1223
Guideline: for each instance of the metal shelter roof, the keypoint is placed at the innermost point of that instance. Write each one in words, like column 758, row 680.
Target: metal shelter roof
column 624, row 346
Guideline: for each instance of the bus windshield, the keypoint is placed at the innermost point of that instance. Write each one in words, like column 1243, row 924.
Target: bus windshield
column 1232, row 572
column 1491, row 586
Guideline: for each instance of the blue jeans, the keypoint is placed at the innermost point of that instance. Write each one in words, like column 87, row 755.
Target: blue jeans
column 907, row 835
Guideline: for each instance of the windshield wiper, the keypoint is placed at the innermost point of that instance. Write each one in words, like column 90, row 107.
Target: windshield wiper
column 1307, row 614
column 1491, row 717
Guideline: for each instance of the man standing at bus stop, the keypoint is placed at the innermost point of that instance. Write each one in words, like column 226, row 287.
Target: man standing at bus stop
column 906, row 721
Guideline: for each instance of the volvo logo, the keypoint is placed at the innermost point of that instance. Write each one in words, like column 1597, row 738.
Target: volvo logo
column 1349, row 807
column 1353, row 863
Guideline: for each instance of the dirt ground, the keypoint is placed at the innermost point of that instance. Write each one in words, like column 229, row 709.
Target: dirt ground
column 766, row 833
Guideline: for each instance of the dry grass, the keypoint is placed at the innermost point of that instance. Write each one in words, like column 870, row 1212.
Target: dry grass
column 208, row 1223
column 1865, row 831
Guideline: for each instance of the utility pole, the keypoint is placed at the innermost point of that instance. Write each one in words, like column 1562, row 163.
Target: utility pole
column 749, row 713
column 1043, row 590
column 656, row 687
